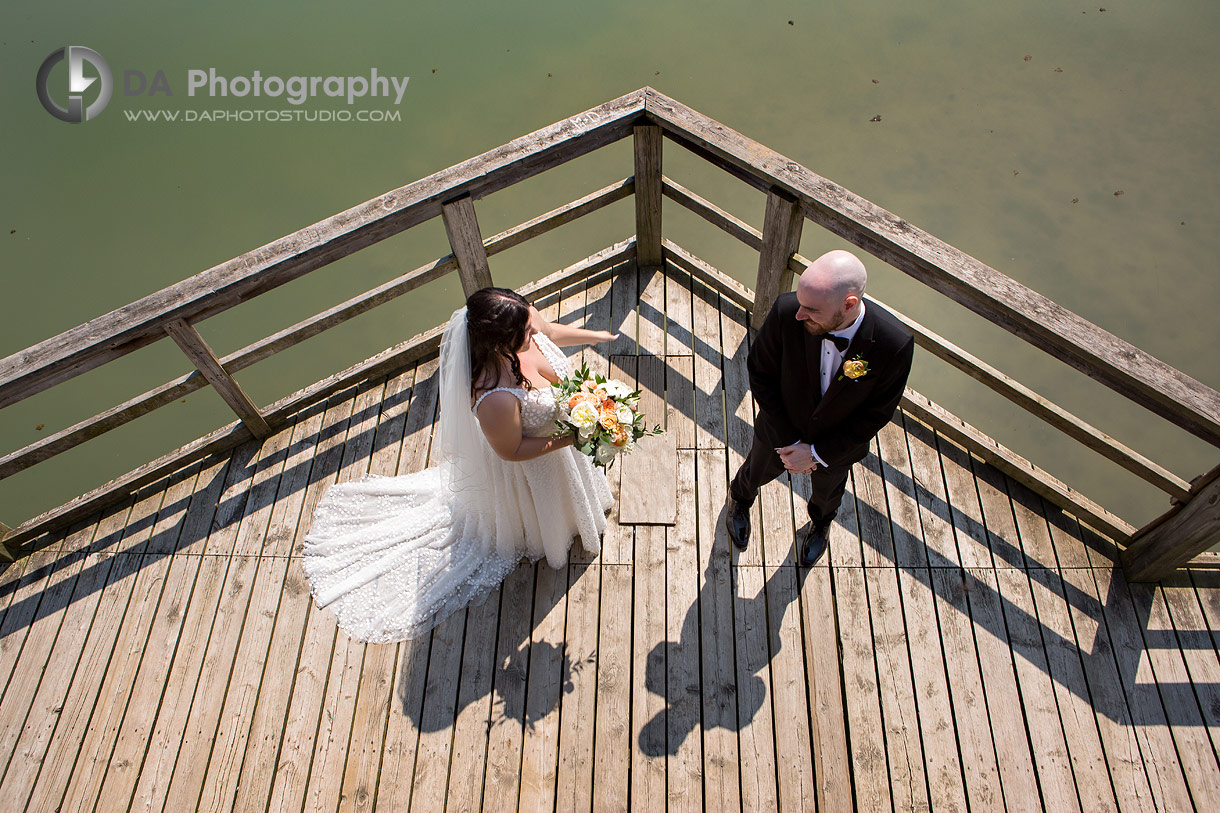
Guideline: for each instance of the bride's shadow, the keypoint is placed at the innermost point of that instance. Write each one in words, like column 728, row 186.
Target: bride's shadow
column 504, row 658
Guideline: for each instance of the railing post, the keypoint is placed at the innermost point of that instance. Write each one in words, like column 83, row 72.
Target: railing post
column 648, row 143
column 7, row 553
column 780, row 240
column 197, row 350
column 1171, row 541
column 467, row 241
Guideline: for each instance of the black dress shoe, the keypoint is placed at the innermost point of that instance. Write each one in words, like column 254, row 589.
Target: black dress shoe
column 737, row 518
column 816, row 541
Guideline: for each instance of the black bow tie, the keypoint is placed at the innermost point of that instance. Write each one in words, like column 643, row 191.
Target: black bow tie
column 841, row 342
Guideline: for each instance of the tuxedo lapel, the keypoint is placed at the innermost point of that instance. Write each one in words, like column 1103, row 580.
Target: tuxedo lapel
column 813, row 365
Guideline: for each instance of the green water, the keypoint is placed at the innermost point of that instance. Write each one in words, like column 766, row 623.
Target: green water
column 1005, row 130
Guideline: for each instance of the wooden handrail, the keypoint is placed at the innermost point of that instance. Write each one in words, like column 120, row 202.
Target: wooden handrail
column 62, row 441
column 1043, row 323
column 210, row 292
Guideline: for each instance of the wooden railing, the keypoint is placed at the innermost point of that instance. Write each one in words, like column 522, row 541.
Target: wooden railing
column 794, row 195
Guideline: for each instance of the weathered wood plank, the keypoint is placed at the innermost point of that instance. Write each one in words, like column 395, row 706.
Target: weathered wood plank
column 502, row 784
column 1008, row 723
column 402, row 731
column 1177, row 695
column 574, row 781
column 271, row 712
column 64, row 751
column 721, row 758
column 648, row 483
column 1001, row 300
column 756, row 724
column 961, row 491
column 793, row 754
column 23, row 610
column 679, row 656
column 373, row 706
column 462, row 227
column 618, row 537
column 781, row 236
column 338, row 709
column 131, row 740
column 613, row 744
column 1194, row 637
column 30, row 745
column 1102, row 684
column 900, row 716
column 870, row 772
column 26, row 663
column 875, row 534
column 474, row 707
column 547, row 667
column 774, row 518
column 910, row 551
column 241, row 695
column 935, row 514
column 624, row 311
column 439, row 713
column 709, row 379
column 832, row 767
column 1173, row 540
column 983, row 788
column 652, row 322
column 648, row 143
column 942, row 763
column 1061, row 768
column 650, row 645
column 196, row 349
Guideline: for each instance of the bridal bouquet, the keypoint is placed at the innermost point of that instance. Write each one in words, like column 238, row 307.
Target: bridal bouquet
column 603, row 415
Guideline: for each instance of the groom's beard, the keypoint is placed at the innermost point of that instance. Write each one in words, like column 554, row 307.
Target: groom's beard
column 814, row 328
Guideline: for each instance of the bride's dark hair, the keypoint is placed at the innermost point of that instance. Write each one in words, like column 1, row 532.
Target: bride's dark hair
column 497, row 322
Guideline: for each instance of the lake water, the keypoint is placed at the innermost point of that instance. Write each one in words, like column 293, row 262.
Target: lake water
column 1070, row 147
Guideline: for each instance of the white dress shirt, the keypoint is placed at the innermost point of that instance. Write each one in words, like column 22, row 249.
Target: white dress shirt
column 832, row 360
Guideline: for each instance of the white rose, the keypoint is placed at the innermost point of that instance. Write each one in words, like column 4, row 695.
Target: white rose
column 625, row 415
column 584, row 417
column 604, row 453
column 616, row 389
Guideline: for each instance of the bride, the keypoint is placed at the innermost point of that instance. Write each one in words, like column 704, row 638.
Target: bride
column 394, row 556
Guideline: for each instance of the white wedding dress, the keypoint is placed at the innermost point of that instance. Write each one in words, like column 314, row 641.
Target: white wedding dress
column 394, row 556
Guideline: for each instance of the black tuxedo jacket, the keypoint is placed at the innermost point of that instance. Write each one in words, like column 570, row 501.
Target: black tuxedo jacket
column 785, row 374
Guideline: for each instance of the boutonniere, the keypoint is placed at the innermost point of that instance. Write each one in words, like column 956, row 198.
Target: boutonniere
column 854, row 369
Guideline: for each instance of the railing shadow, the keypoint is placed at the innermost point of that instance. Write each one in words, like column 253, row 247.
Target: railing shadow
column 216, row 510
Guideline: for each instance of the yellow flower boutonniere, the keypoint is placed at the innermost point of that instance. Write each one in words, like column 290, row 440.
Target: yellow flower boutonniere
column 855, row 368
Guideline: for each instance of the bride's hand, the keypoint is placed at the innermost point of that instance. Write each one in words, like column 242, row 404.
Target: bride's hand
column 604, row 336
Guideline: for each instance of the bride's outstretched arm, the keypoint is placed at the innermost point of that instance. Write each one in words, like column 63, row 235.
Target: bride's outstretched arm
column 500, row 418
column 566, row 335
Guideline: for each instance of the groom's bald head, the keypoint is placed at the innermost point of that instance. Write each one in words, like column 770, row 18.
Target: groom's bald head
column 836, row 274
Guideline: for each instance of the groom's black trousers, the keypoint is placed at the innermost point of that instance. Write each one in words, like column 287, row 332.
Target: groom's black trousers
column 763, row 465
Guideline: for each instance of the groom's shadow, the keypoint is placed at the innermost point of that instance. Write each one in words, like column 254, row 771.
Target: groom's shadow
column 490, row 648
column 699, row 688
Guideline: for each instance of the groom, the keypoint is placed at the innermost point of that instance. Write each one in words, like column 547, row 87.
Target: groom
column 827, row 373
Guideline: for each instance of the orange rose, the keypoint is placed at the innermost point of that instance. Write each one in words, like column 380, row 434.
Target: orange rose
column 621, row 435
column 608, row 420
column 580, row 398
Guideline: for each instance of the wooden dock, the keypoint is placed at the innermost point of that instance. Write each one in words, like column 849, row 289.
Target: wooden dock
column 966, row 645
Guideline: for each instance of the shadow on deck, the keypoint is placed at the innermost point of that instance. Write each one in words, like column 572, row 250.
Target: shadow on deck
column 968, row 645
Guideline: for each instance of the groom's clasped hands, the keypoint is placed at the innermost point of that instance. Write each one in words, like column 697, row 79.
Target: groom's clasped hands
column 798, row 458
